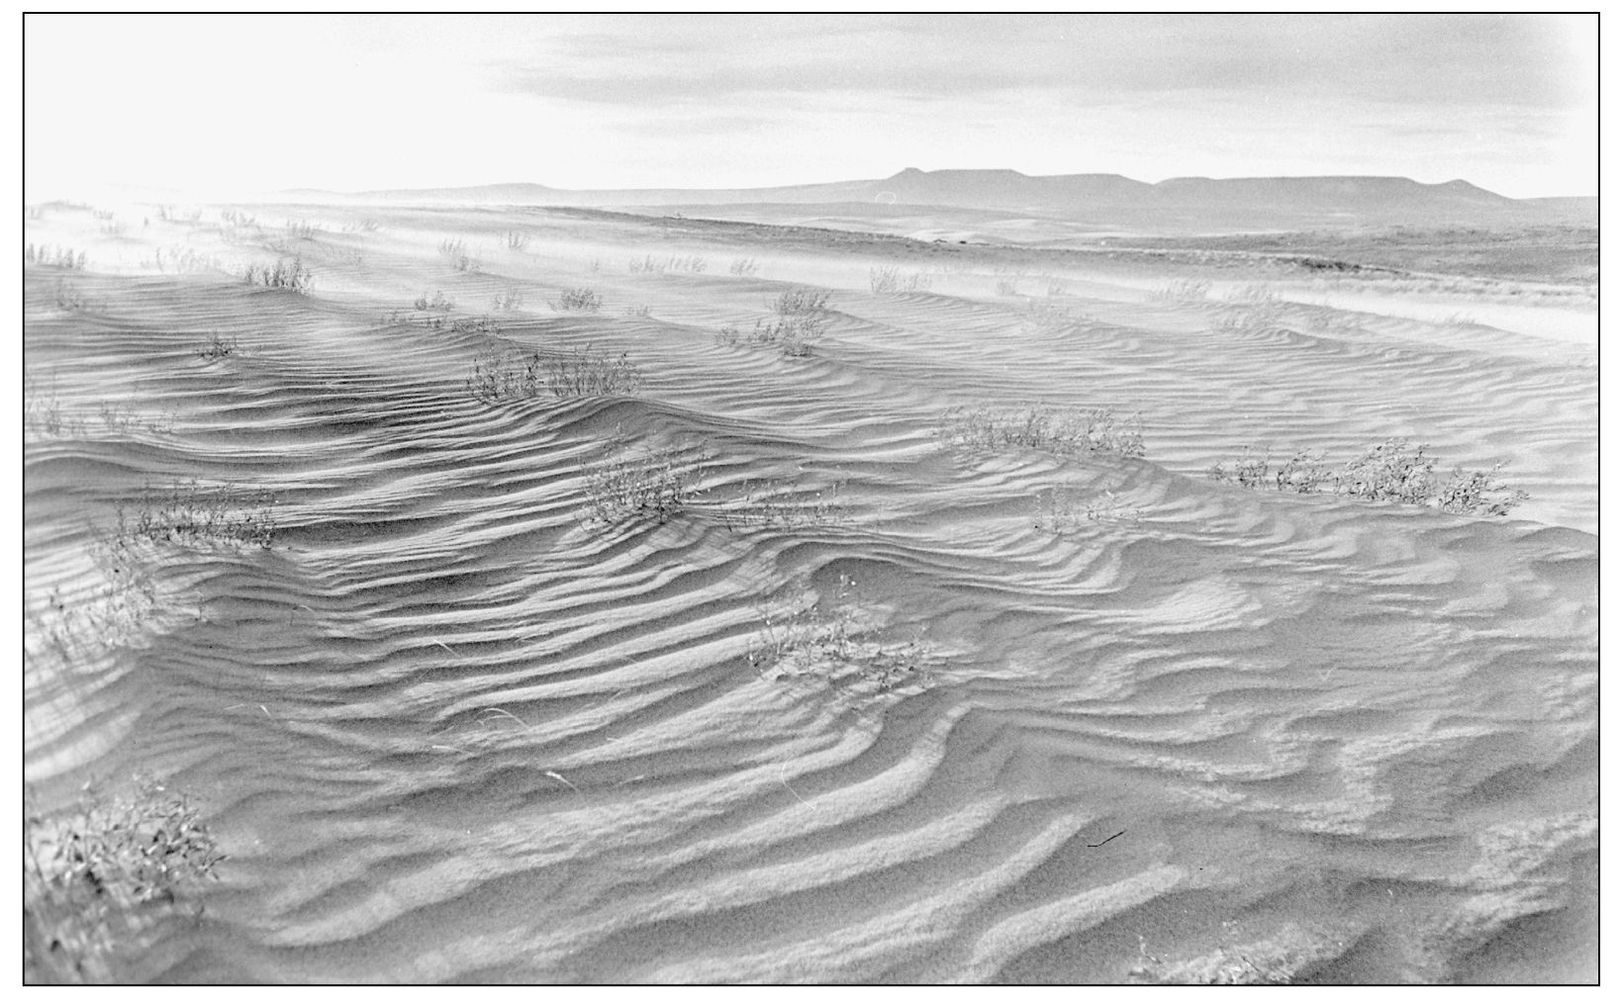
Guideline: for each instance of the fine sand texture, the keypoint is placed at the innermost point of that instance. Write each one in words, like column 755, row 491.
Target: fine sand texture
column 567, row 596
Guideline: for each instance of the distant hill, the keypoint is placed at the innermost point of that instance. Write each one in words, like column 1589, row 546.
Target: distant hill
column 1103, row 200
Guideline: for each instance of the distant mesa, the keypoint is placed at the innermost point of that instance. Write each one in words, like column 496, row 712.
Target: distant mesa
column 1093, row 199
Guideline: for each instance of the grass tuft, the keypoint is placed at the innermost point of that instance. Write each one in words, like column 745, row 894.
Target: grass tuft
column 1065, row 431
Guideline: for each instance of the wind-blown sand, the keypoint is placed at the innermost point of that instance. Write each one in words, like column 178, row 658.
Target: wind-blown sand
column 445, row 732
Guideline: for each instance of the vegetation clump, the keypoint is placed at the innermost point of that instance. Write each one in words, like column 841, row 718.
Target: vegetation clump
column 500, row 375
column 455, row 252
column 94, row 876
column 886, row 280
column 217, row 347
column 284, row 275
column 800, row 637
column 1062, row 511
column 1064, row 431
column 1390, row 471
column 578, row 299
column 188, row 513
column 652, row 487
column 801, row 318
column 764, row 504
column 58, row 256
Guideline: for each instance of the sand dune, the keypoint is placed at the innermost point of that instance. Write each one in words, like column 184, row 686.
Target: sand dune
column 449, row 729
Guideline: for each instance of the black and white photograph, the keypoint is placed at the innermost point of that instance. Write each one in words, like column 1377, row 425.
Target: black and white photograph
column 810, row 499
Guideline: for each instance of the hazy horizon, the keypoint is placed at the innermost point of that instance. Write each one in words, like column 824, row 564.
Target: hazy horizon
column 226, row 104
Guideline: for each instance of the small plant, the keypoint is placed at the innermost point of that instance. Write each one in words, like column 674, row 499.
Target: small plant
column 509, row 375
column 508, row 300
column 801, row 301
column 1062, row 511
column 762, row 504
column 888, row 280
column 578, row 299
column 1391, row 471
column 646, row 265
column 638, row 311
column 218, row 347
column 745, row 267
column 436, row 303
column 302, row 230
column 455, row 252
column 1055, row 430
column 190, row 514
column 585, row 374
column 798, row 637
column 92, row 875
column 638, row 488
column 284, row 275
column 517, row 241
column 59, row 256
column 67, row 296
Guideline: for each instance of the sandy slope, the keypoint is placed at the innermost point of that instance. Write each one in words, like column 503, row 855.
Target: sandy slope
column 447, row 732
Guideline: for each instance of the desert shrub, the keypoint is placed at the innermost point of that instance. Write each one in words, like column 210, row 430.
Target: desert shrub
column 654, row 486
column 507, row 300
column 67, row 296
column 188, row 513
column 1478, row 492
column 771, row 504
column 646, row 265
column 801, row 301
column 302, row 230
column 1062, row 511
column 180, row 261
column 745, row 267
column 578, row 299
column 284, row 275
column 516, row 241
column 800, row 637
column 889, row 280
column 363, row 225
column 455, row 253
column 688, row 264
column 1390, row 471
column 59, row 256
column 585, row 373
column 436, row 303
column 638, row 311
column 1065, row 431
column 501, row 375
column 217, row 347
column 44, row 415
column 91, row 877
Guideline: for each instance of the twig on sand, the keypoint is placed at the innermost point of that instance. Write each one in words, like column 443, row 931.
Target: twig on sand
column 1105, row 840
column 244, row 705
column 447, row 647
column 784, row 779
column 456, row 749
column 502, row 712
column 565, row 781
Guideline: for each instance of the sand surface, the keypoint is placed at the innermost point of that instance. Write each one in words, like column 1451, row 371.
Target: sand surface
column 446, row 731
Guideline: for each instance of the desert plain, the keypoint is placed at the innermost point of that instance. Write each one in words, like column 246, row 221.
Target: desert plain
column 483, row 592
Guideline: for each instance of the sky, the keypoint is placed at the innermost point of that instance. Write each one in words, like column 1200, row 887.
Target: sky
column 227, row 104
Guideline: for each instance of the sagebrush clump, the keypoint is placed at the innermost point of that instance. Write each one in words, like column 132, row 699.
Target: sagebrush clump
column 1390, row 471
column 1065, row 431
column 506, row 374
column 285, row 274
column 799, row 637
column 654, row 487
column 95, row 875
column 190, row 513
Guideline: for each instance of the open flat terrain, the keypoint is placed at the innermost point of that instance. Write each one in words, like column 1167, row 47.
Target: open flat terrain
column 544, row 595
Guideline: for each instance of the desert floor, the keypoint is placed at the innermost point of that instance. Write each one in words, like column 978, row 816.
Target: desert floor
column 839, row 695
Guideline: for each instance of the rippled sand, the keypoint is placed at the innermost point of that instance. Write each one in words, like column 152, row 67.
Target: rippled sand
column 446, row 732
